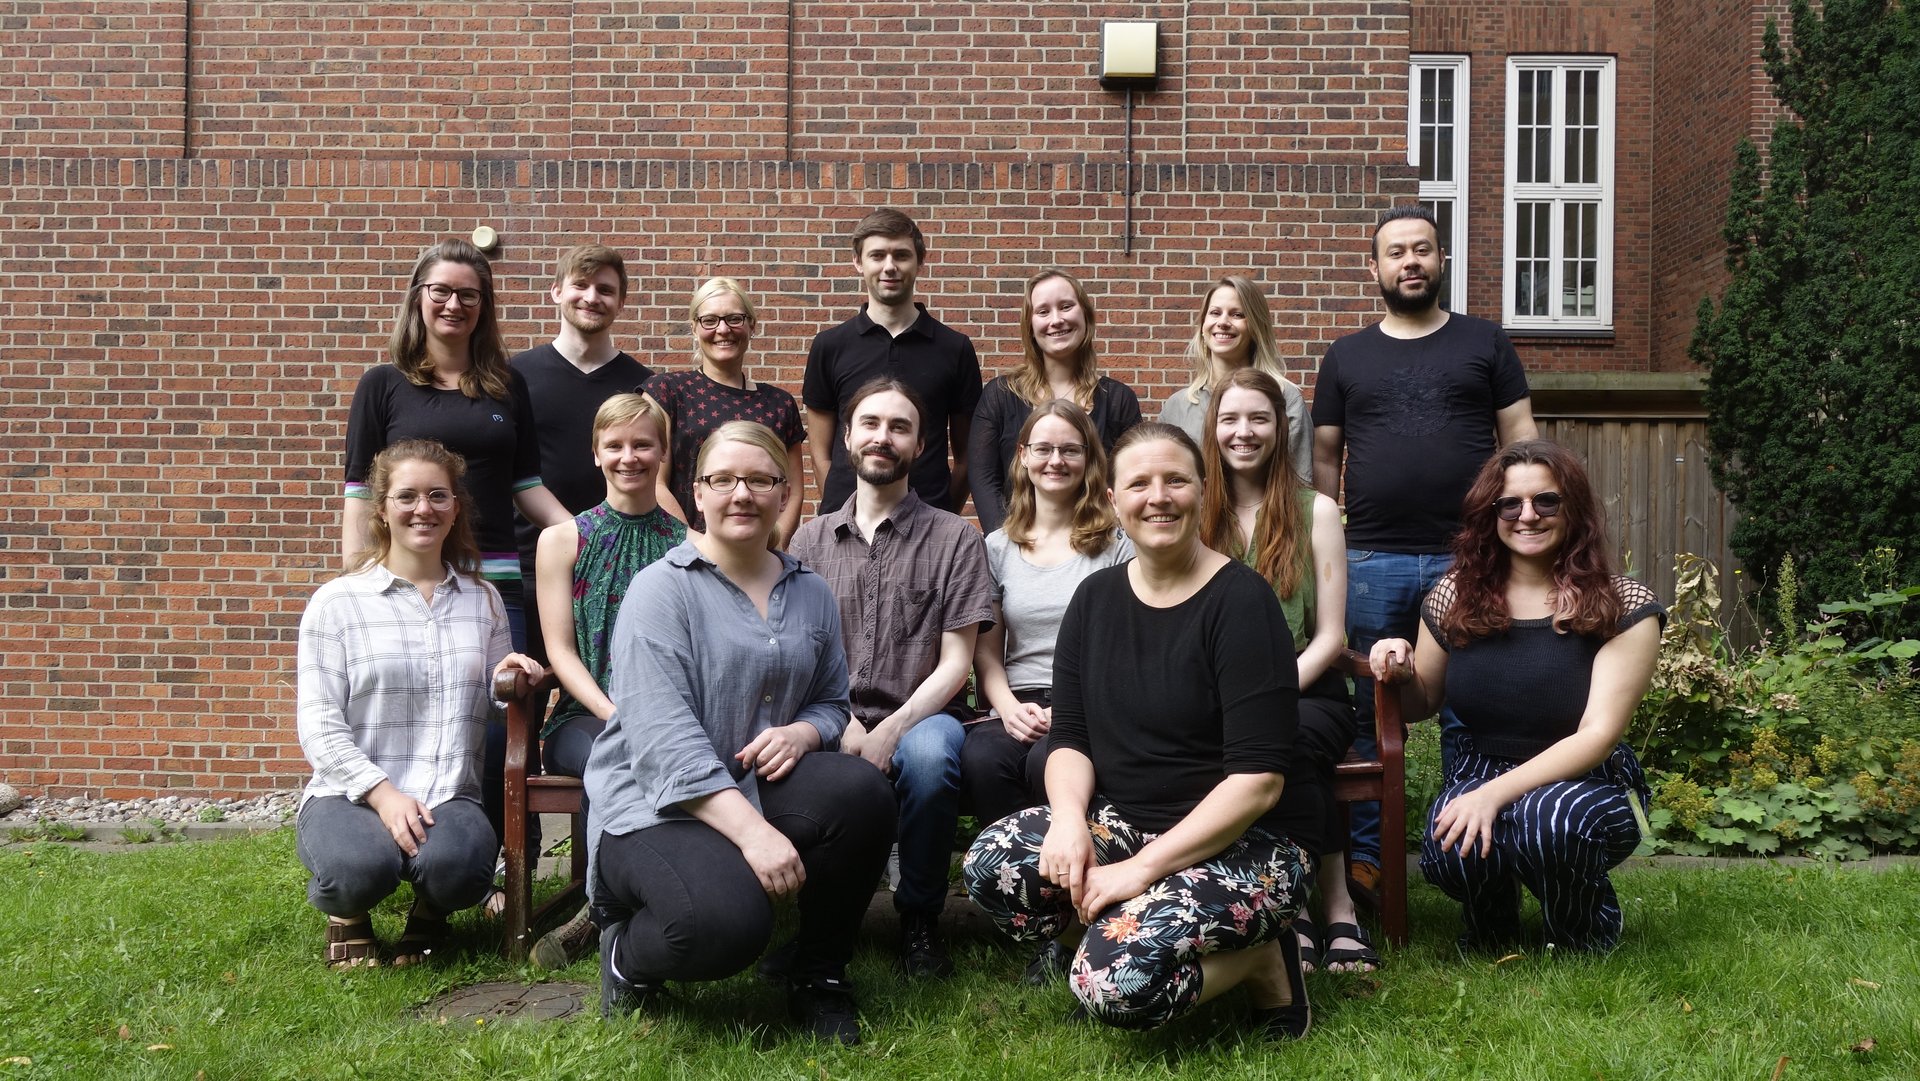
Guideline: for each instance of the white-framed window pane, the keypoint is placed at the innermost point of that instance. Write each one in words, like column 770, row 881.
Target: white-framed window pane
column 1558, row 242
column 1443, row 217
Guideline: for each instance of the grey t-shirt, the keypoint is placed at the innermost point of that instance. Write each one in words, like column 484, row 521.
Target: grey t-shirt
column 1033, row 600
column 1191, row 417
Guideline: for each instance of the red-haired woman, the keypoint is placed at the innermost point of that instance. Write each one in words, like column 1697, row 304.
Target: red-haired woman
column 1543, row 653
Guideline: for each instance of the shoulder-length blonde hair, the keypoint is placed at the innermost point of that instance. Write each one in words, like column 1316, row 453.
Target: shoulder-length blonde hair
column 1029, row 381
column 753, row 434
column 486, row 374
column 1093, row 515
column 459, row 548
column 1263, row 353
column 1282, row 543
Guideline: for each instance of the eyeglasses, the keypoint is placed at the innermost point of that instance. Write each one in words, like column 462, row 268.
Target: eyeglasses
column 440, row 294
column 1546, row 505
column 736, row 320
column 726, row 482
column 438, row 499
column 1068, row 452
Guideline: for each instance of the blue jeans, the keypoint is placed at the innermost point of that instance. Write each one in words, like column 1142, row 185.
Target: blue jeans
column 926, row 778
column 1384, row 592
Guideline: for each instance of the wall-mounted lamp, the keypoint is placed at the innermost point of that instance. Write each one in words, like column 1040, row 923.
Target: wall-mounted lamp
column 1129, row 61
column 486, row 240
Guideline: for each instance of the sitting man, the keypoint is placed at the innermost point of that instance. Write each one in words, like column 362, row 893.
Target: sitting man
column 914, row 593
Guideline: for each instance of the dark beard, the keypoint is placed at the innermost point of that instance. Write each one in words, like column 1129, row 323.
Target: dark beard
column 869, row 470
column 1400, row 303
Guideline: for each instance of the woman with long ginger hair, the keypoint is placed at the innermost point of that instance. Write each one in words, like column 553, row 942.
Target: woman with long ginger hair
column 1258, row 511
column 1543, row 653
column 1058, row 361
column 396, row 660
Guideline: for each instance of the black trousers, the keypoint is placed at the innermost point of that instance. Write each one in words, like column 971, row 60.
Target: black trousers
column 698, row 912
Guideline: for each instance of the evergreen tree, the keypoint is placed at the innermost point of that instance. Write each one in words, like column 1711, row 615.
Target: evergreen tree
column 1813, row 354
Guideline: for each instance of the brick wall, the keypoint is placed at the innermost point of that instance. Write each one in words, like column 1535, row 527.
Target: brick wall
column 186, row 301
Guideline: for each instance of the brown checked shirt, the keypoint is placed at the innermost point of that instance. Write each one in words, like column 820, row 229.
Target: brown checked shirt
column 924, row 574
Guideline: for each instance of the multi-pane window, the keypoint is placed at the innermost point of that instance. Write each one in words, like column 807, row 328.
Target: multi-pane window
column 1437, row 147
column 1558, row 259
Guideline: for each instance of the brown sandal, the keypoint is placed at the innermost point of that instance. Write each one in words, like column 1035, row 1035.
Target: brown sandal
column 350, row 944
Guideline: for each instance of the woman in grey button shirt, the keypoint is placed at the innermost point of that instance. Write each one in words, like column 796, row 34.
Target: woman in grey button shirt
column 707, row 803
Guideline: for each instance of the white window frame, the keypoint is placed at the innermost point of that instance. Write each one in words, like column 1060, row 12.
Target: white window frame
column 1439, row 191
column 1558, row 194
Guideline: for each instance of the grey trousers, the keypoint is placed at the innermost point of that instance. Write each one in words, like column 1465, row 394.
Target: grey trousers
column 356, row 864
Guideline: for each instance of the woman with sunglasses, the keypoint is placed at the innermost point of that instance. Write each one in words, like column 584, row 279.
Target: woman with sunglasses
column 717, row 389
column 1260, row 512
column 1060, row 528
column 396, row 659
column 1059, row 361
column 1543, row 653
column 709, row 802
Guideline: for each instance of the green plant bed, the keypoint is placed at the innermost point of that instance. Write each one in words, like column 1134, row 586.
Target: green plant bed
column 177, row 960
column 1807, row 744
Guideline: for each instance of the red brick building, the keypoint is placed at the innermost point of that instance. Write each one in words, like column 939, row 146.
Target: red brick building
column 210, row 209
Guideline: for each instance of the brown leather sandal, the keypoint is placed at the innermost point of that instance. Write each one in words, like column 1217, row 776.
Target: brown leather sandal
column 419, row 938
column 350, row 944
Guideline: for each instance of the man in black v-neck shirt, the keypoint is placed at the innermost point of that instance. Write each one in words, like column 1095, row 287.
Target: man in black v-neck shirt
column 892, row 337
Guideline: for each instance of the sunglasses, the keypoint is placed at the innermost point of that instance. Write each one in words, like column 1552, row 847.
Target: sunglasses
column 1546, row 505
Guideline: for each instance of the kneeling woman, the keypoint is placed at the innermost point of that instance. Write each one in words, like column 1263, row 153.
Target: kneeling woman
column 1172, row 732
column 1543, row 653
column 707, row 801
column 396, row 660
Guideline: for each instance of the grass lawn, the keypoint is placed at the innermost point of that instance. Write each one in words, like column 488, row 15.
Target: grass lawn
column 191, row 960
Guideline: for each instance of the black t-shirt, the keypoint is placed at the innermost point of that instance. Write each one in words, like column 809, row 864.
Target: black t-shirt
column 1417, row 415
column 1521, row 692
column 1168, row 701
column 495, row 437
column 564, row 402
column 937, row 361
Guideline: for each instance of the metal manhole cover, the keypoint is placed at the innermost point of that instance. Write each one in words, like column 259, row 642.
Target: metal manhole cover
column 508, row 1002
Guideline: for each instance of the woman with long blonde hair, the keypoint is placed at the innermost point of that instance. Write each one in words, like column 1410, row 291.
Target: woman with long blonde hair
column 1235, row 331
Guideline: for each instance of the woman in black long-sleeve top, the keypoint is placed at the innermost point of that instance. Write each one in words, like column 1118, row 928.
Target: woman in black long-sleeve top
column 1056, row 336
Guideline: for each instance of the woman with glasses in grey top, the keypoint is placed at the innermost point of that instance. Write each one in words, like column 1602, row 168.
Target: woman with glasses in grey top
column 708, row 800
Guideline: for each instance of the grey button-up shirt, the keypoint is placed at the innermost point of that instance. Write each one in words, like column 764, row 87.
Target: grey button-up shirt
column 697, row 674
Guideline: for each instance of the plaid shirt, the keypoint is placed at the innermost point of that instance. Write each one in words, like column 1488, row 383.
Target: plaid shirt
column 392, row 688
column 924, row 574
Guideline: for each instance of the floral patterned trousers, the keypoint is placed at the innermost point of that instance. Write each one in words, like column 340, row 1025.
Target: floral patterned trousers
column 1139, row 964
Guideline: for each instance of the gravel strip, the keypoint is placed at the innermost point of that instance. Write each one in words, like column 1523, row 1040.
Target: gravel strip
column 272, row 809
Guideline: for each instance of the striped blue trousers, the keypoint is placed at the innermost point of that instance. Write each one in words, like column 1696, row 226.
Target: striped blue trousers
column 1559, row 840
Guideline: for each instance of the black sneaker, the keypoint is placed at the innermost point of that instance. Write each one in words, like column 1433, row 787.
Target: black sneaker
column 777, row 966
column 921, row 954
column 1049, row 965
column 618, row 995
column 824, row 1009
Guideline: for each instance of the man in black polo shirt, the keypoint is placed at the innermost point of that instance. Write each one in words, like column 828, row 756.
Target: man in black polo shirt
column 568, row 380
column 892, row 338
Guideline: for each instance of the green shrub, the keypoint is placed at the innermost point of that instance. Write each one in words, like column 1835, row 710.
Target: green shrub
column 1808, row 744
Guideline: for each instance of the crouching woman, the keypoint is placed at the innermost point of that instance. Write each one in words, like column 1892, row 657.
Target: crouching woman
column 708, row 803
column 396, row 664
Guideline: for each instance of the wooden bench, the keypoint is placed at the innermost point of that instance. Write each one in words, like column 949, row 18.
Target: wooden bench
column 1382, row 779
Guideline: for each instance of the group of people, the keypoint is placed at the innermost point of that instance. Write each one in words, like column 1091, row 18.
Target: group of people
column 1151, row 623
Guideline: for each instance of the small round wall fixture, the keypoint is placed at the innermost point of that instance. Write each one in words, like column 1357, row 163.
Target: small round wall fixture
column 486, row 239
